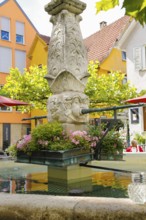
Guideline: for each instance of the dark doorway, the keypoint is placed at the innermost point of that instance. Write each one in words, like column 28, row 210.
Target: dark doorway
column 6, row 135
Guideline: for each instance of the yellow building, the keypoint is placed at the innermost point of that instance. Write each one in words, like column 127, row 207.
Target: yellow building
column 38, row 55
column 17, row 34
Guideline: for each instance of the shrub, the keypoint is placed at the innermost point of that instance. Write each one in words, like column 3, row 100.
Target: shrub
column 51, row 136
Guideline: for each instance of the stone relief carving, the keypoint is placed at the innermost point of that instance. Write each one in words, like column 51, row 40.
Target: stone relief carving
column 66, row 81
column 66, row 48
column 66, row 107
column 67, row 63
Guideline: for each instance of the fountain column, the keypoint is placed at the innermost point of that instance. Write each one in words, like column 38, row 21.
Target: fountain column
column 67, row 76
column 67, row 65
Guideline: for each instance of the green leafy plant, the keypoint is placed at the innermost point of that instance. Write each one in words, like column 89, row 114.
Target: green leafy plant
column 140, row 138
column 135, row 9
column 112, row 143
column 12, row 150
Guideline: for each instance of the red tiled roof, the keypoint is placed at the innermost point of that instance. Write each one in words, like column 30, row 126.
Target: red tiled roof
column 45, row 38
column 99, row 44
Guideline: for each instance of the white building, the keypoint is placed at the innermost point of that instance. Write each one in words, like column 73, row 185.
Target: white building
column 133, row 41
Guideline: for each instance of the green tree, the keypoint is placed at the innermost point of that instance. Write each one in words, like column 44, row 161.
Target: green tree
column 29, row 86
column 107, row 89
column 135, row 8
column 103, row 89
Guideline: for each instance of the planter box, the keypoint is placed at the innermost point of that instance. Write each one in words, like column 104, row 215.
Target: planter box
column 56, row 158
column 22, row 157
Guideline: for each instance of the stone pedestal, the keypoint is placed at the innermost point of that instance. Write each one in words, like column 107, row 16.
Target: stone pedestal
column 64, row 180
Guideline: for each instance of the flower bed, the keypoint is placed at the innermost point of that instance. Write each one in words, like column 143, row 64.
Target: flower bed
column 48, row 143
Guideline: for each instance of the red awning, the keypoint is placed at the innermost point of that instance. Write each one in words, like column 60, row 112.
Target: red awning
column 4, row 101
column 141, row 99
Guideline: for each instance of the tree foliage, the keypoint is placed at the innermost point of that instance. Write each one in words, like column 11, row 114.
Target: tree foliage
column 102, row 89
column 135, row 9
column 29, row 86
column 107, row 89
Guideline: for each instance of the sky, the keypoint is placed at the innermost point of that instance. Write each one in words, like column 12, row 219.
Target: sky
column 89, row 25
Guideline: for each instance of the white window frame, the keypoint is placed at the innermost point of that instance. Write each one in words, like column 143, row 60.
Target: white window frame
column 5, row 28
column 20, row 32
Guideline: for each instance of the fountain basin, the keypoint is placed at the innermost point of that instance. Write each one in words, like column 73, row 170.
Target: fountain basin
column 35, row 207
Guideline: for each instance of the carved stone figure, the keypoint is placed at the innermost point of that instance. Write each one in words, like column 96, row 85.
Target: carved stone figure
column 67, row 63
column 66, row 107
column 66, row 49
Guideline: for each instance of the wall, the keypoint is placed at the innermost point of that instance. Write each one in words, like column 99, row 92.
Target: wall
column 39, row 52
column 136, row 39
column 114, row 62
column 135, row 77
column 12, row 10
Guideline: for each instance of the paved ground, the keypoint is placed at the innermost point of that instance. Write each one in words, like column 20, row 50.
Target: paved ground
column 131, row 161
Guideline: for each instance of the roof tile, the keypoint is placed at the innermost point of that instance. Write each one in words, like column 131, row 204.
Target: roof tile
column 99, row 44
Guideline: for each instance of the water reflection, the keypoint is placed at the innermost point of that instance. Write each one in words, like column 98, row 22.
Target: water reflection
column 22, row 178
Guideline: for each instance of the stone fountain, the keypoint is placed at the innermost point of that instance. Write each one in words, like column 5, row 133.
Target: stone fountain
column 67, row 65
column 67, row 77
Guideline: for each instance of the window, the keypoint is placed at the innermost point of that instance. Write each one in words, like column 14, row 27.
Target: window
column 134, row 116
column 6, row 109
column 124, row 81
column 20, row 59
column 124, row 55
column 19, row 39
column 5, row 28
column 19, row 32
column 6, row 59
column 1, row 86
column 4, row 35
column 40, row 66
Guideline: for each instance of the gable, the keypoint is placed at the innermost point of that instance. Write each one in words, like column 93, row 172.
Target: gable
column 15, row 9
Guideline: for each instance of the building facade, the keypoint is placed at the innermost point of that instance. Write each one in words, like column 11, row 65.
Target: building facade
column 16, row 36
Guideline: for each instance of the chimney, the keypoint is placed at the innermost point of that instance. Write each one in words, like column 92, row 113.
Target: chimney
column 103, row 24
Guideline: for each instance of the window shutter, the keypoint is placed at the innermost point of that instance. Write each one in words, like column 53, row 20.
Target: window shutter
column 137, row 57
column 144, row 57
column 19, row 28
column 20, row 60
column 6, row 61
column 5, row 24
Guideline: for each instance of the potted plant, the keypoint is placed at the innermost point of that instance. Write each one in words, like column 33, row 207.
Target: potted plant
column 48, row 144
